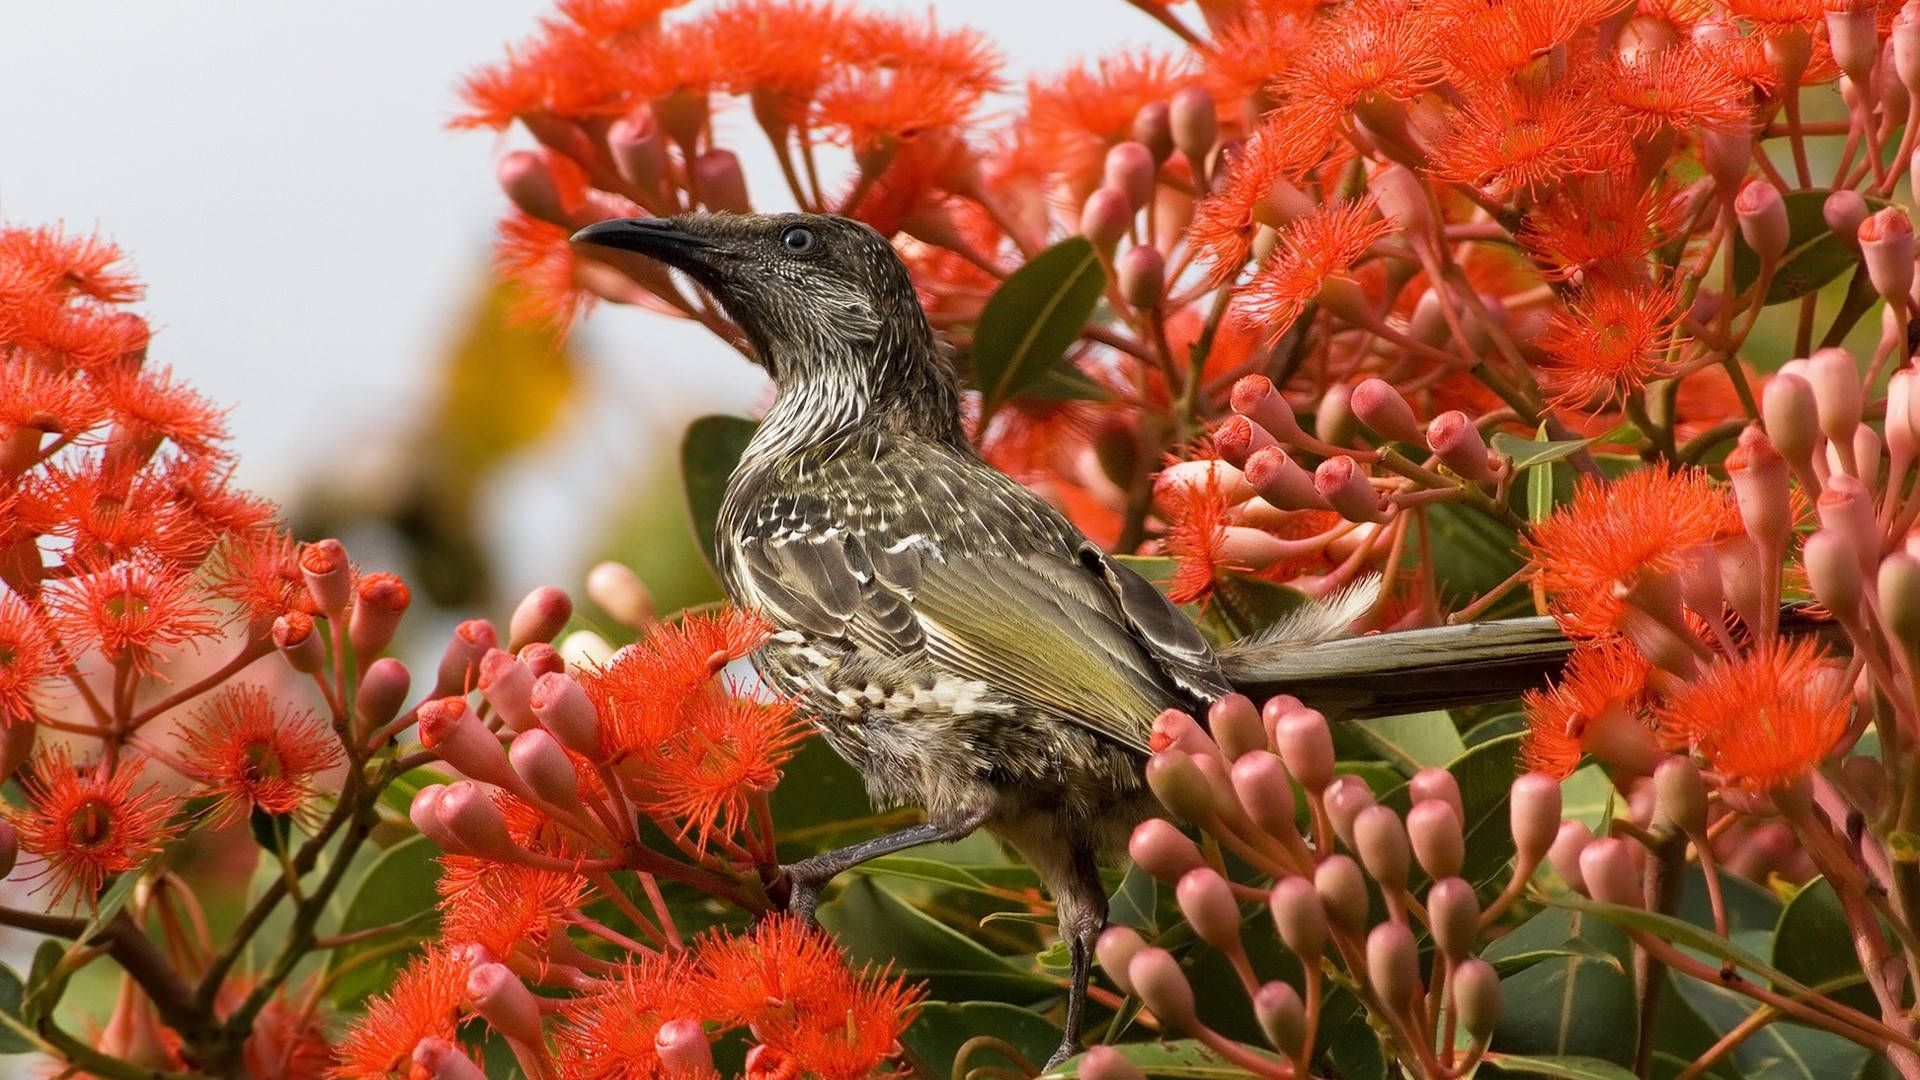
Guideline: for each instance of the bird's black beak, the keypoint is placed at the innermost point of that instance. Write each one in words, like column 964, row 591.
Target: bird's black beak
column 657, row 238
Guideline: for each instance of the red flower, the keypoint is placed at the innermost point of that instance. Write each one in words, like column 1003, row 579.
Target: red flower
column 1196, row 539
column 1600, row 693
column 563, row 72
column 260, row 574
column 424, row 1003
column 513, row 912
column 251, row 754
column 1764, row 719
column 27, row 659
column 1510, row 139
column 130, row 611
column 1611, row 341
column 44, row 261
column 603, row 19
column 536, row 257
column 609, row 1034
column 88, row 822
column 1073, row 119
column 1603, row 225
column 149, row 406
column 1325, row 243
column 784, row 49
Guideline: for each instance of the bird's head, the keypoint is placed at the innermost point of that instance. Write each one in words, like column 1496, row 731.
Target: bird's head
column 807, row 289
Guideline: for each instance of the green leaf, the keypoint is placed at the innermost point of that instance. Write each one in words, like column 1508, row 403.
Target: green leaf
column 273, row 832
column 876, row 926
column 397, row 887
column 1186, row 1058
column 708, row 453
column 1679, row 932
column 1032, row 318
column 1575, row 948
column 111, row 903
column 950, row 875
column 1471, row 554
column 1526, row 453
column 1411, row 742
column 1540, row 494
column 1814, row 254
column 942, row 1028
column 46, row 982
column 821, row 802
column 13, row 1026
column 1581, row 1003
column 1778, row 1051
column 1561, row 1067
column 1813, row 942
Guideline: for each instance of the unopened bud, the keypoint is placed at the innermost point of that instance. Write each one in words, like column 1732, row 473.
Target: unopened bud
column 460, row 664
column 1533, row 814
column 9, row 848
column 505, row 1003
column 620, row 592
column 1380, row 407
column 543, row 659
column 1264, row 790
column 1380, row 838
column 1833, row 569
column 1175, row 729
column 1256, row 398
column 380, row 602
column 1905, row 36
column 1163, row 851
column 1453, row 913
column 544, row 767
column 1854, row 39
column 565, row 711
column 1759, row 473
column 1606, row 868
column 1346, row 488
column 1153, row 129
column 1105, row 217
column 1106, row 1063
column 1680, row 795
column 469, row 815
column 293, row 635
column 1131, row 169
column 1235, row 724
column 1208, row 904
column 1835, row 380
column 383, row 689
column 437, row 1059
column 683, row 1048
column 540, row 617
column 1115, row 949
column 638, row 150
column 1163, row 988
column 1345, row 798
column 1280, row 480
column 1866, row 780
column 719, row 182
column 1434, row 782
column 507, row 683
column 529, row 183
column 1792, row 419
column 1844, row 211
column 1333, row 417
column 1300, row 917
column 1305, row 743
column 1142, row 274
column 1846, row 507
column 1899, row 587
column 329, row 576
column 1195, row 125
column 1727, row 154
column 1762, row 215
column 1886, row 247
column 456, row 734
column 424, row 812
column 1282, row 1017
column 1343, row 892
column 1453, row 438
column 1433, row 827
column 1402, row 198
column 585, row 649
column 1903, row 415
column 1568, row 843
column 1393, row 964
column 1475, row 988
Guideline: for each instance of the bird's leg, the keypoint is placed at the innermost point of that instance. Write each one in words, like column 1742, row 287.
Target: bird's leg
column 807, row 877
column 1082, row 904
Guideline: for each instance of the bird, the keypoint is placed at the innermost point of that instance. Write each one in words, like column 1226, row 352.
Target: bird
column 952, row 635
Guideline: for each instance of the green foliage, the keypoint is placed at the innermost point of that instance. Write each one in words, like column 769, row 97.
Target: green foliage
column 1030, row 321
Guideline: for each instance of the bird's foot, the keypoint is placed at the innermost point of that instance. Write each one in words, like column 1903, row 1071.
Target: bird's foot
column 801, row 889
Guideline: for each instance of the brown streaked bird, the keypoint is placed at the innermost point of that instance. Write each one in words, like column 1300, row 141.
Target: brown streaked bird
column 954, row 637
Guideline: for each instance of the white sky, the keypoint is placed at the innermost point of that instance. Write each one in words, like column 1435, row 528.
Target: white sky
column 309, row 231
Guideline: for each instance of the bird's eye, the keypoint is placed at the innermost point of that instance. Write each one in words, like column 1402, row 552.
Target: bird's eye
column 797, row 240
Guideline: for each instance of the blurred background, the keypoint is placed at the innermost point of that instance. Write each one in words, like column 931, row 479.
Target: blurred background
column 315, row 245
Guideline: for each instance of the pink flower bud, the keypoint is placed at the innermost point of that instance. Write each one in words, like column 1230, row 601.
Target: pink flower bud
column 540, row 617
column 1333, row 417
column 1238, row 438
column 1236, row 726
column 1903, row 415
column 1115, row 949
column 1899, row 587
column 1568, row 843
column 1105, row 218
column 1762, row 215
column 1176, row 730
column 1130, row 169
column 1380, row 838
column 1835, row 381
column 1261, row 785
column 1434, row 782
column 424, row 812
column 460, row 664
column 507, row 683
column 1680, row 795
column 1300, row 917
column 1434, row 830
column 638, row 151
column 1163, row 988
column 1195, row 476
column 1454, row 914
column 438, row 1059
column 1846, row 507
column 1105, row 1063
column 1843, row 211
column 1195, row 125
column 1393, row 965
column 1905, row 37
column 524, row 176
column 1163, row 851
column 1606, row 867
column 1833, row 569
column 1282, row 1017
column 683, row 1048
column 1453, row 438
column 1789, row 52
column 380, row 601
column 1305, row 744
column 1208, row 904
column 293, row 635
column 719, row 182
column 1792, row 419
column 1854, row 39
column 565, row 711
column 1403, row 199
column 329, row 576
column 1759, row 475
column 505, row 1003
column 544, row 768
column 456, row 734
column 1533, row 814
column 1475, row 988
column 1886, row 247
column 1346, row 488
column 1142, row 273
column 1380, row 407
column 1153, row 129
column 543, row 659
column 1280, row 480
column 1727, row 154
column 620, row 592
column 1256, row 398
column 1346, row 797
column 469, row 815
column 383, row 689
column 1343, row 892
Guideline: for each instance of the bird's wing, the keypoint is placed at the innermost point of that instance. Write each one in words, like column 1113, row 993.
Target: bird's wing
column 940, row 558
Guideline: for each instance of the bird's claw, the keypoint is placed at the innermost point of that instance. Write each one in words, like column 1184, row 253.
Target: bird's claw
column 802, row 894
